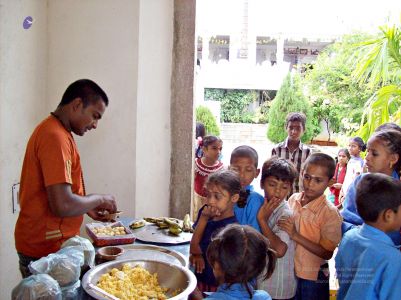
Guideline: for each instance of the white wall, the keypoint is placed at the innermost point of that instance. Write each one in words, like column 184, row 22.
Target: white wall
column 23, row 56
column 153, row 107
column 126, row 47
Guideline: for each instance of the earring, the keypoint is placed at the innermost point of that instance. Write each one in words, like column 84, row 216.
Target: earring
column 391, row 165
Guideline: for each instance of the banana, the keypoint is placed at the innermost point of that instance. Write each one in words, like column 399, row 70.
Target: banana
column 175, row 230
column 137, row 224
column 153, row 220
column 162, row 225
column 186, row 225
column 173, row 223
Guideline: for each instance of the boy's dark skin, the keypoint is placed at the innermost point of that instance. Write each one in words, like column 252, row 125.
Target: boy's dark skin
column 295, row 131
column 315, row 181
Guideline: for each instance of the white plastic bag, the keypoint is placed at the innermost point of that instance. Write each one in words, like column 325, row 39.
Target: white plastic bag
column 34, row 287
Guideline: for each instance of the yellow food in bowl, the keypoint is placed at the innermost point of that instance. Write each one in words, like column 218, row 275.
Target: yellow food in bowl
column 109, row 231
column 132, row 283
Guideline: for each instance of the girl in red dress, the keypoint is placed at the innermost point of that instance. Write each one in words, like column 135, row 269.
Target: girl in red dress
column 205, row 165
column 339, row 175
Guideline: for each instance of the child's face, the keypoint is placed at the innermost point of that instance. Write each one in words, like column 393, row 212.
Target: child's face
column 295, row 131
column 315, row 181
column 221, row 199
column 342, row 158
column 245, row 167
column 353, row 148
column 276, row 189
column 212, row 152
column 378, row 158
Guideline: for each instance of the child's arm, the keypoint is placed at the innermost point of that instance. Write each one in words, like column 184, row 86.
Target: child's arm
column 264, row 214
column 196, row 258
column 288, row 225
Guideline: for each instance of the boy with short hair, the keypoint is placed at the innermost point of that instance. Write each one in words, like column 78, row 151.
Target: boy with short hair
column 315, row 228
column 292, row 149
column 278, row 175
column 368, row 263
column 244, row 161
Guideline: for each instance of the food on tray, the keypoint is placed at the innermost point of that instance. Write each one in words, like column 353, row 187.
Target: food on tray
column 174, row 226
column 137, row 224
column 132, row 283
column 109, row 230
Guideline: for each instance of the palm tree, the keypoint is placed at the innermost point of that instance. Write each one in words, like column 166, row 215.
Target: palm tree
column 379, row 65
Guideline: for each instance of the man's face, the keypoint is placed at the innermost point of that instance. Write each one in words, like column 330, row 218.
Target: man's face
column 295, row 130
column 86, row 118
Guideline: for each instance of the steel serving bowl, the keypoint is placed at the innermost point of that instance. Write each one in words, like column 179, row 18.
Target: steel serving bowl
column 171, row 276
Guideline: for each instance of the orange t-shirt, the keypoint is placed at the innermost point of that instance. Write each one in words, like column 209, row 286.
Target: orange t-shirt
column 320, row 222
column 51, row 157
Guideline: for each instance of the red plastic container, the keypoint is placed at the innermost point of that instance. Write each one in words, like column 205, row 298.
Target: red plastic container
column 100, row 240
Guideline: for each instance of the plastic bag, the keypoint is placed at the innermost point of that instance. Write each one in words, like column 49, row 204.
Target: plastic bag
column 71, row 292
column 87, row 247
column 35, row 287
column 64, row 267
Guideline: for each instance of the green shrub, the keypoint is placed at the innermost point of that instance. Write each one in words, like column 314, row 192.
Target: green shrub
column 205, row 116
column 234, row 104
column 289, row 98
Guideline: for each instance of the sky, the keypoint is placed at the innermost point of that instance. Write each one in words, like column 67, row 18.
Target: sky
column 298, row 18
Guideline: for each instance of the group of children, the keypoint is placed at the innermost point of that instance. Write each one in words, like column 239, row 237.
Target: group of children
column 292, row 240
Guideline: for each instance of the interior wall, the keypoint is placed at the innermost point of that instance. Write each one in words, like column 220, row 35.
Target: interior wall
column 23, row 56
column 153, row 108
column 99, row 40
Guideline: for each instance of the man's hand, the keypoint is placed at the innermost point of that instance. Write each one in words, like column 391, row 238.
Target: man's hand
column 197, row 261
column 108, row 204
column 267, row 209
column 288, row 225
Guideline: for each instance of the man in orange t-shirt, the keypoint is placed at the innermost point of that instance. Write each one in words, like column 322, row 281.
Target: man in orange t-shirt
column 52, row 190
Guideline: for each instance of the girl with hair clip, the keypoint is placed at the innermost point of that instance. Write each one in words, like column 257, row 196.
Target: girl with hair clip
column 238, row 255
column 204, row 166
column 343, row 157
column 355, row 164
column 383, row 156
column 223, row 192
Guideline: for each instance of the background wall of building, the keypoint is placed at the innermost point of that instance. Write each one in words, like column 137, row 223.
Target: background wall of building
column 125, row 46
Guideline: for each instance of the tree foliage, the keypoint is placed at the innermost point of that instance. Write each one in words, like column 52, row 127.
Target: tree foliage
column 335, row 97
column 234, row 104
column 379, row 67
column 289, row 98
column 205, row 116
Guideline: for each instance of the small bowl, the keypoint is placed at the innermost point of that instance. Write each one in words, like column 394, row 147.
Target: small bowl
column 110, row 252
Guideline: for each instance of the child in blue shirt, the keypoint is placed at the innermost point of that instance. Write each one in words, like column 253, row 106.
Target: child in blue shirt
column 368, row 263
column 222, row 193
column 238, row 254
column 244, row 161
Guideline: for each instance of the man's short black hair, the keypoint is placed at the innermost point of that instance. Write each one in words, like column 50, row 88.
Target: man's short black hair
column 245, row 151
column 376, row 193
column 85, row 89
column 296, row 117
column 323, row 160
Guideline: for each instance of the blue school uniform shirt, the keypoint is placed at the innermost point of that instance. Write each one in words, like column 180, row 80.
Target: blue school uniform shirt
column 368, row 265
column 350, row 212
column 248, row 215
column 237, row 291
column 211, row 229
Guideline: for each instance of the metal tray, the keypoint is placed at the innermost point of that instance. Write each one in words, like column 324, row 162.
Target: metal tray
column 150, row 233
column 150, row 252
column 169, row 275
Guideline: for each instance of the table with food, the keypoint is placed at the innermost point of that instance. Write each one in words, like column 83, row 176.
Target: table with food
column 125, row 259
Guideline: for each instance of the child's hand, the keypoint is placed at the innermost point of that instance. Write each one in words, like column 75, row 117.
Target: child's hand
column 267, row 208
column 196, row 295
column 288, row 225
column 197, row 261
column 210, row 212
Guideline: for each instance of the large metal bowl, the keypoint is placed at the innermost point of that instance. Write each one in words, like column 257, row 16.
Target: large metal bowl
column 170, row 276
